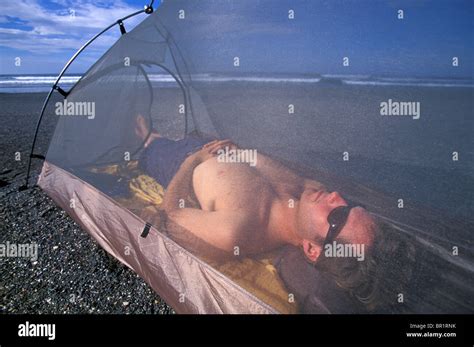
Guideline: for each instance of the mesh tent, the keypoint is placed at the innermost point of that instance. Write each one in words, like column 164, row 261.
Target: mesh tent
column 196, row 71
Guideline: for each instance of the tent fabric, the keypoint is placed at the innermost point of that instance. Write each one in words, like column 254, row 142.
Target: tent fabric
column 185, row 282
column 196, row 68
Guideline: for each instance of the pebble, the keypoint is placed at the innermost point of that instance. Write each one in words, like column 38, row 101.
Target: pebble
column 80, row 268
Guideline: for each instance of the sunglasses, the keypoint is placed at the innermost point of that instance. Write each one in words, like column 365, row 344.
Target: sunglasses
column 337, row 218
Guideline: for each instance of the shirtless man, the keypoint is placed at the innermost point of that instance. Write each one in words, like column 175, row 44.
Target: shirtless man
column 260, row 208
column 255, row 208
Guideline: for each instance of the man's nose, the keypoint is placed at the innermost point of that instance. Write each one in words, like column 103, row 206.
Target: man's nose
column 335, row 198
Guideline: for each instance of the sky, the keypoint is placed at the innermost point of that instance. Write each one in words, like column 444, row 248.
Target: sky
column 45, row 33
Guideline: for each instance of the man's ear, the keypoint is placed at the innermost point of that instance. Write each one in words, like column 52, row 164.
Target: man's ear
column 311, row 249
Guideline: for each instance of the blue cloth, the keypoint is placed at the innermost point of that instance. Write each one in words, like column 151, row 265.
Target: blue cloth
column 163, row 157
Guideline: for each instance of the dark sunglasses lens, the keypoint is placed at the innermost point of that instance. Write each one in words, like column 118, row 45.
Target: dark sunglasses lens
column 338, row 216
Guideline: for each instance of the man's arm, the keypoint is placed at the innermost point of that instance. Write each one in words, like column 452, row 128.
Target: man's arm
column 182, row 183
column 282, row 175
column 217, row 228
column 276, row 171
column 269, row 168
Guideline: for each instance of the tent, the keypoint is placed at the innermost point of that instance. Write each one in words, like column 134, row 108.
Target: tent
column 249, row 71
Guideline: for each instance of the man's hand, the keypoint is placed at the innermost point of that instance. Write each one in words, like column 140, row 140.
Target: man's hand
column 215, row 145
column 200, row 156
column 210, row 149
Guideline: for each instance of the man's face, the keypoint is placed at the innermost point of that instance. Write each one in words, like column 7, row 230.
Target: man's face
column 313, row 224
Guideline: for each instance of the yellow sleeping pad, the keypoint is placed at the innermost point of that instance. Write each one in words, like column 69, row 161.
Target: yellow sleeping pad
column 146, row 188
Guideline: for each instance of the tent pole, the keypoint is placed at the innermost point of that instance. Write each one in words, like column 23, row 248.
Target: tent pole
column 148, row 9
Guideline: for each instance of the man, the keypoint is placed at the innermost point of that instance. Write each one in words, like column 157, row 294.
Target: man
column 215, row 208
column 257, row 209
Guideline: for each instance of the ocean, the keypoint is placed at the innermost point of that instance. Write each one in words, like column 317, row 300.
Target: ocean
column 42, row 83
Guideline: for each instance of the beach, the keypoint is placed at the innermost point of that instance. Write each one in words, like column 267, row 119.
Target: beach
column 71, row 274
column 407, row 157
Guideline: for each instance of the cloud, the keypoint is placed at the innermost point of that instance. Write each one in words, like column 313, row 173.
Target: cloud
column 67, row 25
column 44, row 44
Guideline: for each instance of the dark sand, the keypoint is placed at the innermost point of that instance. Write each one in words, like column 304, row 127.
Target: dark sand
column 72, row 273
